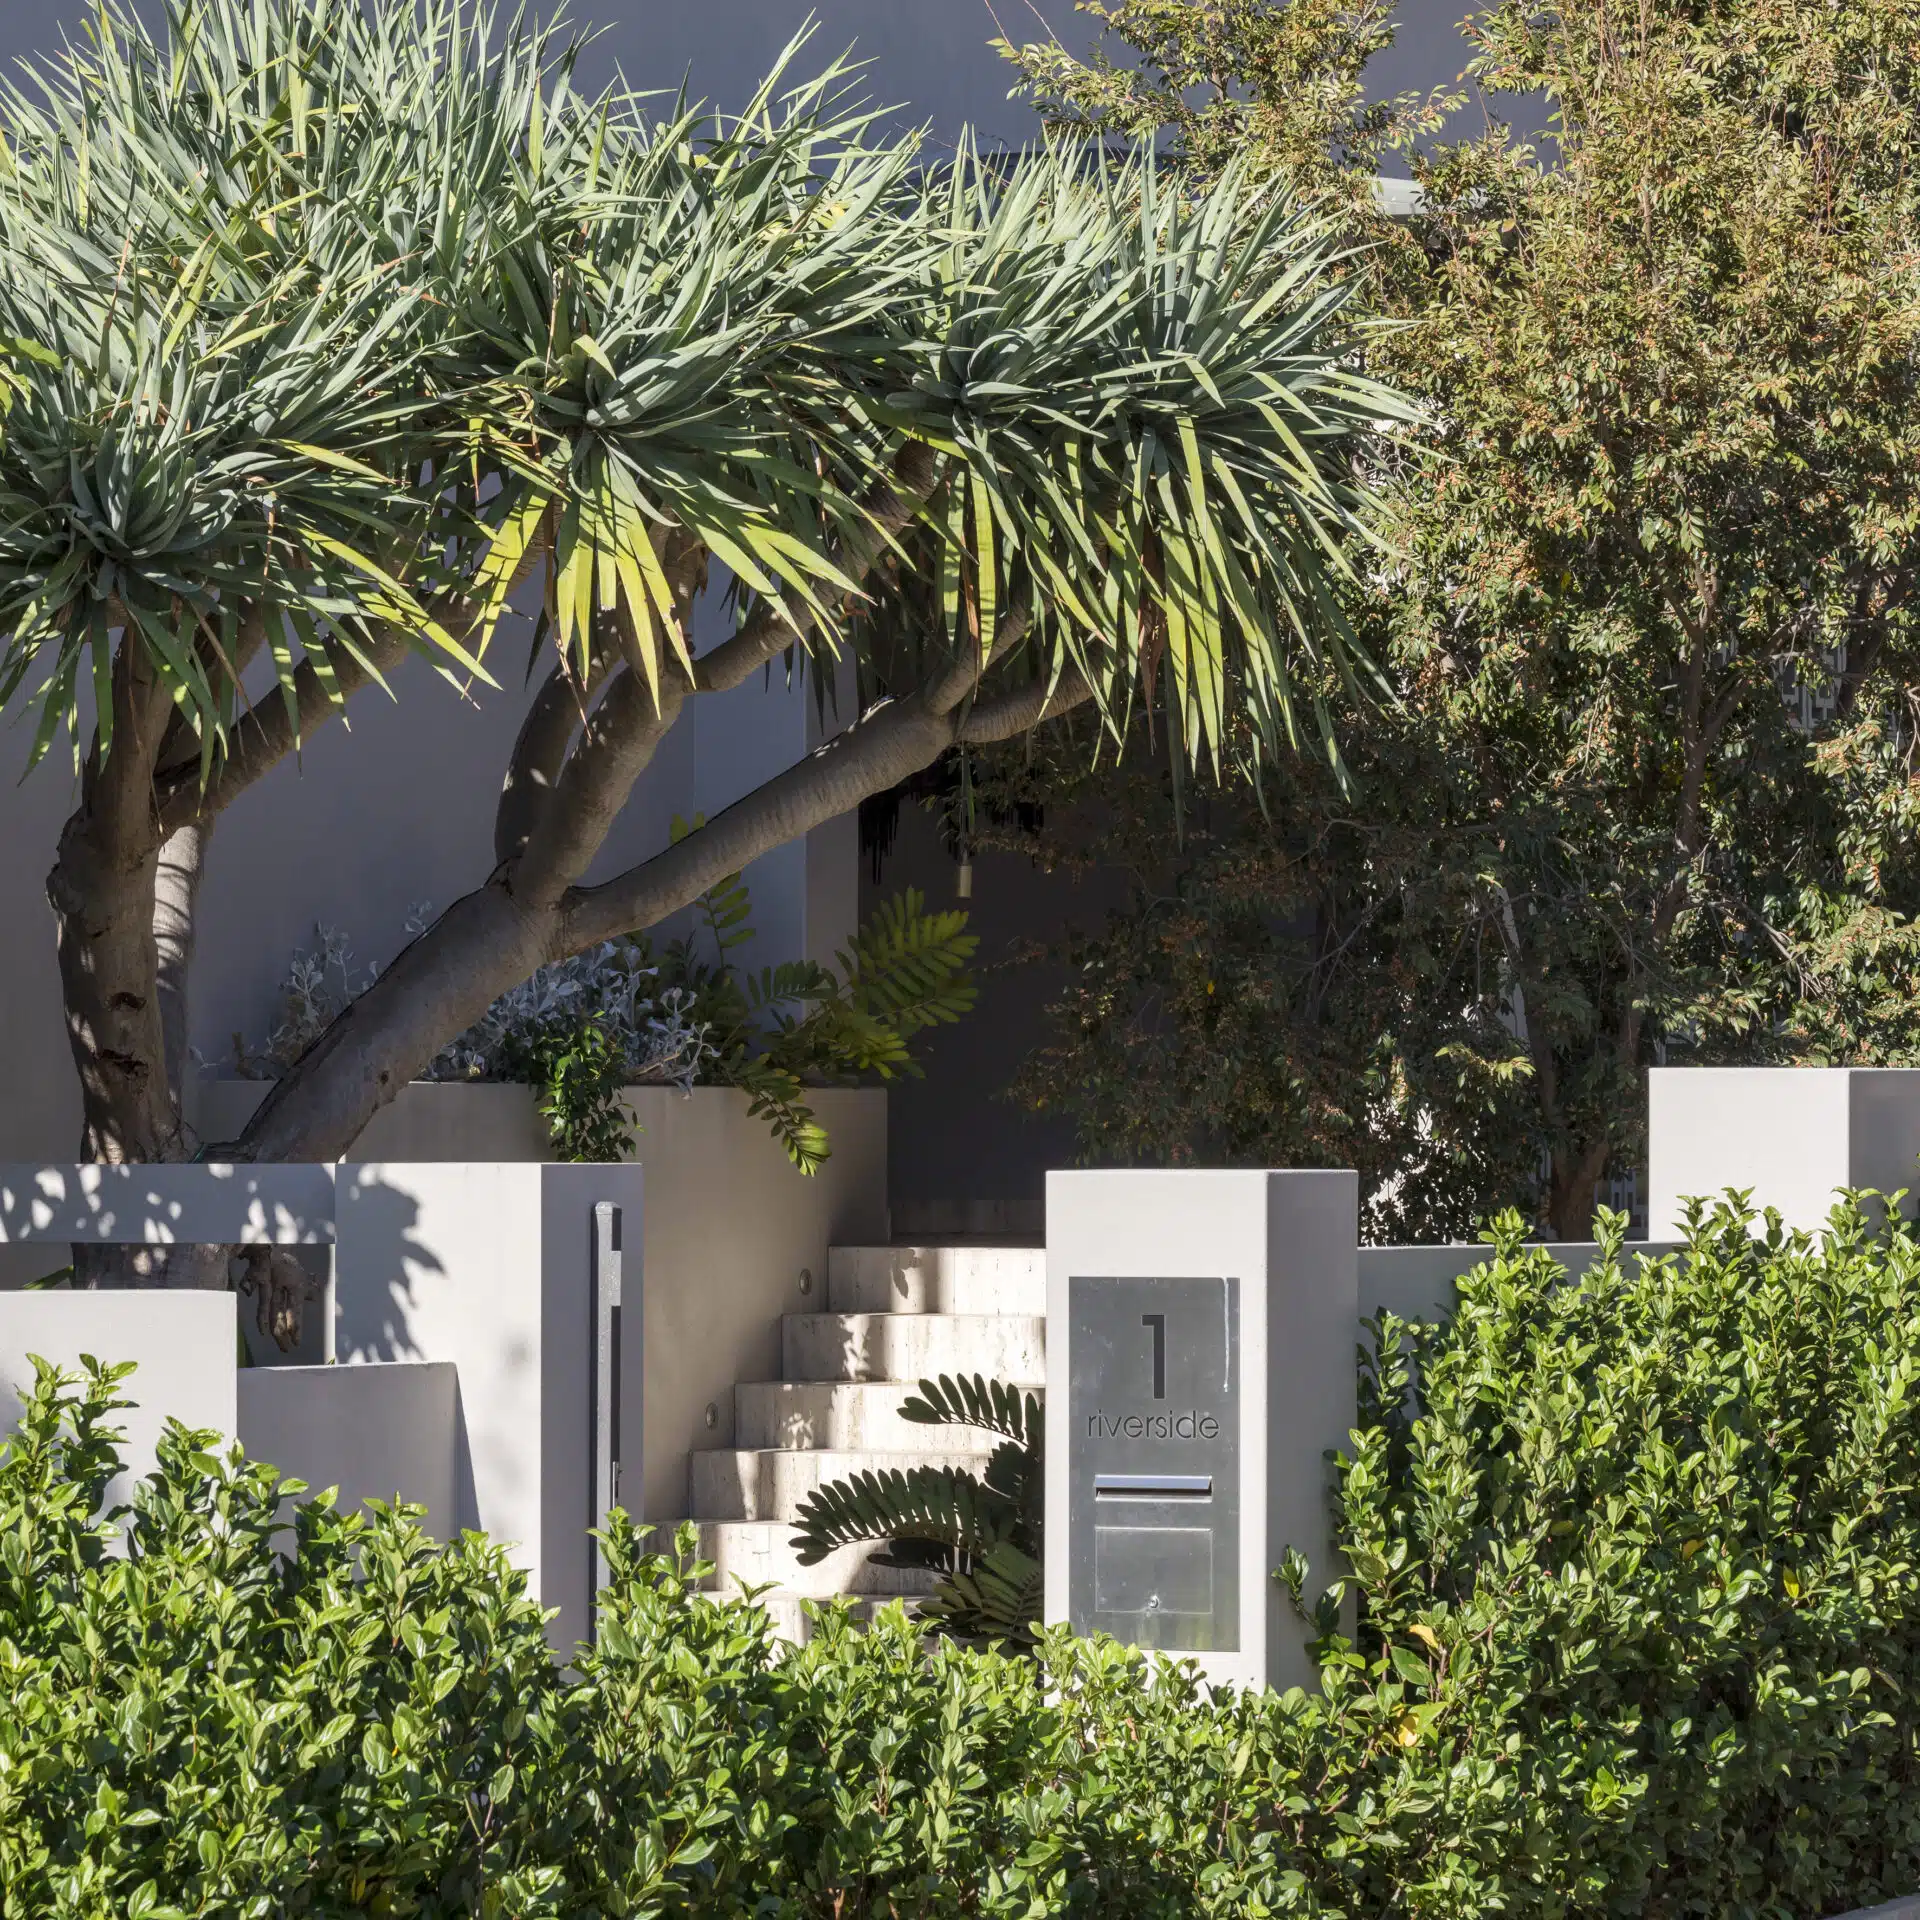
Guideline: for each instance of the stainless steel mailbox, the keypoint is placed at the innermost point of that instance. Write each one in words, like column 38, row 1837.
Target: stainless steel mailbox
column 1154, row 1461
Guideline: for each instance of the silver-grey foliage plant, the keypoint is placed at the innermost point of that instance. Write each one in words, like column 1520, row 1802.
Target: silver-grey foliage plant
column 655, row 1027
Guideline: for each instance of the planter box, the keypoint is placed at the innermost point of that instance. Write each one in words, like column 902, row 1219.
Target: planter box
column 730, row 1229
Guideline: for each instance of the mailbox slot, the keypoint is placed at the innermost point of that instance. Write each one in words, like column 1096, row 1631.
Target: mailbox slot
column 1153, row 1486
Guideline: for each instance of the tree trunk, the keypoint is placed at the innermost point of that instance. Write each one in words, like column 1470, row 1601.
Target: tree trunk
column 1570, row 1202
column 437, row 987
column 123, row 911
column 175, row 904
column 102, row 893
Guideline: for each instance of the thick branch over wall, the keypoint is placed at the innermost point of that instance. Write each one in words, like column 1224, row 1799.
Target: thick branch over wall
column 491, row 940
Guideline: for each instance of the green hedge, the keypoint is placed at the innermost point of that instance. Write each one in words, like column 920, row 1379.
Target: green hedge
column 1638, row 1635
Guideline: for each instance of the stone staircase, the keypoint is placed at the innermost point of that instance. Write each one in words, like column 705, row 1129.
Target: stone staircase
column 895, row 1315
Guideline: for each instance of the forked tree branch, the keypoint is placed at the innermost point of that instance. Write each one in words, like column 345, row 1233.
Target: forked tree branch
column 526, row 916
column 615, row 748
column 877, row 752
column 888, row 745
column 1032, row 706
column 540, row 752
column 558, row 795
column 965, row 675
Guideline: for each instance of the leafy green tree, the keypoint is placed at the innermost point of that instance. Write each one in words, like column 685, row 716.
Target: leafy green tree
column 331, row 327
column 1647, row 613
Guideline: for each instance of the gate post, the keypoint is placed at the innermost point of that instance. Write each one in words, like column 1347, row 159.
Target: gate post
column 1201, row 1338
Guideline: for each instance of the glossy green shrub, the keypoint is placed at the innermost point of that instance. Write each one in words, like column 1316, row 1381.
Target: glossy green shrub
column 1638, row 1633
column 203, row 1726
column 1644, row 1565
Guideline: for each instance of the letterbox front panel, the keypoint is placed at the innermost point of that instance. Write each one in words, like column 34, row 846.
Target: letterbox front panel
column 1153, row 1466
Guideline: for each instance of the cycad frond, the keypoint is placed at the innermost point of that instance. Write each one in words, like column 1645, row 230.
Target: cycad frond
column 1003, row 1597
column 942, row 1507
column 972, row 1400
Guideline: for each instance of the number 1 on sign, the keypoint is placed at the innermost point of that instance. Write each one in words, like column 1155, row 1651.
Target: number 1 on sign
column 1158, row 1322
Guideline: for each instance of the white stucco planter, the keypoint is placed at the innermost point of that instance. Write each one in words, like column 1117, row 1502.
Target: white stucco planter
column 730, row 1227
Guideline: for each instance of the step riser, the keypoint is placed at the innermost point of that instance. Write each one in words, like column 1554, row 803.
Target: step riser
column 902, row 1346
column 963, row 1280
column 750, row 1554
column 774, row 1485
column 862, row 1417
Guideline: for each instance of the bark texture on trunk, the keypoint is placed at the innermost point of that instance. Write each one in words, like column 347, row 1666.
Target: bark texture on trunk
column 123, row 899
column 176, row 897
column 1570, row 1198
column 102, row 891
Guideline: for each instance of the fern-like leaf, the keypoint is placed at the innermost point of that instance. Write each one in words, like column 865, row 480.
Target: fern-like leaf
column 944, row 1507
column 972, row 1400
column 908, row 967
column 802, row 982
column 776, row 1096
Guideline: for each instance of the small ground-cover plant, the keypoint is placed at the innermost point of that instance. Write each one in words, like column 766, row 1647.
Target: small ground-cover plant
column 1639, row 1634
column 582, row 1030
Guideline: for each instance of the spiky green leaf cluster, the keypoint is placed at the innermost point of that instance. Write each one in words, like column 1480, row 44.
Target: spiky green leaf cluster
column 337, row 323
column 981, row 1533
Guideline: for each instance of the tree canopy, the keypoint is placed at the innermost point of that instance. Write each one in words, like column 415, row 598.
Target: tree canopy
column 328, row 329
column 1646, row 790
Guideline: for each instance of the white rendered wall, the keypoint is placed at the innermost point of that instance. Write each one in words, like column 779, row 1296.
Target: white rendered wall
column 731, row 1229
column 184, row 1344
column 1792, row 1136
column 444, row 1264
column 372, row 1433
column 199, row 1205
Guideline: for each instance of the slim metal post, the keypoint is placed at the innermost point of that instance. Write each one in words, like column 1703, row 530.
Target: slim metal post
column 605, row 1413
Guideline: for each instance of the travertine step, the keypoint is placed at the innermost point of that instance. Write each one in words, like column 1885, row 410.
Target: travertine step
column 756, row 1553
column 772, row 1483
column 962, row 1280
column 843, row 1416
column 913, row 1346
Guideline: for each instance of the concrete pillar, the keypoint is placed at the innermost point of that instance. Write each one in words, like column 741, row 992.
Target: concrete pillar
column 491, row 1266
column 1793, row 1136
column 1201, row 1335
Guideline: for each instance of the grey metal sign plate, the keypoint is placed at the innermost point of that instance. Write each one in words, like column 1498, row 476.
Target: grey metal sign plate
column 1154, row 1461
